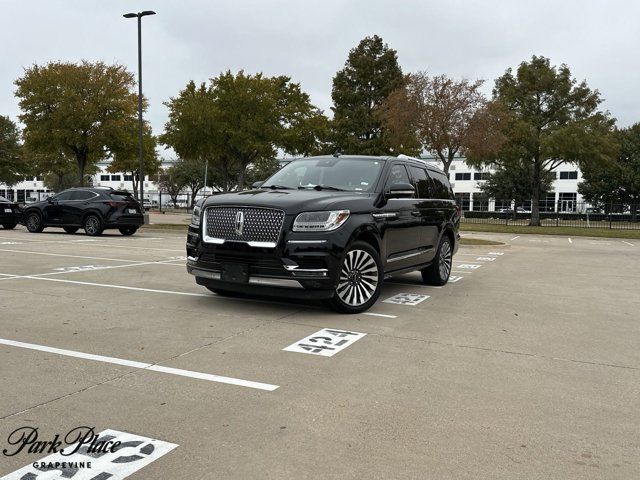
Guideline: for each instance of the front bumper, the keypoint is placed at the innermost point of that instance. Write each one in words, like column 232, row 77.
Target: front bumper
column 301, row 265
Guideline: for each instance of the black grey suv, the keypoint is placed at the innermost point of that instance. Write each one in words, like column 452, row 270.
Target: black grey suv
column 93, row 209
column 328, row 227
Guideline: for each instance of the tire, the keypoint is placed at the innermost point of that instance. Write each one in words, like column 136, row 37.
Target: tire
column 360, row 281
column 93, row 225
column 71, row 229
column 33, row 222
column 438, row 272
column 127, row 231
column 9, row 226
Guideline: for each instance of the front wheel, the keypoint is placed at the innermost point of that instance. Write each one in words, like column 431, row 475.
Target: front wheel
column 9, row 226
column 93, row 225
column 126, row 231
column 438, row 272
column 360, row 282
column 34, row 222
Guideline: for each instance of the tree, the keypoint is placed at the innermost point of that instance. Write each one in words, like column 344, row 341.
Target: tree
column 79, row 109
column 12, row 162
column 616, row 181
column 60, row 171
column 241, row 119
column 170, row 181
column 126, row 156
column 190, row 173
column 370, row 74
column 512, row 183
column 262, row 169
column 544, row 119
column 433, row 114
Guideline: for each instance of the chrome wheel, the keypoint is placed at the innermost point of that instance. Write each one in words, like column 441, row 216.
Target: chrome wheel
column 92, row 225
column 444, row 261
column 359, row 278
column 33, row 222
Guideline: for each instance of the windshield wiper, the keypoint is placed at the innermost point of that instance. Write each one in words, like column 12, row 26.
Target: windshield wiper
column 320, row 187
column 276, row 187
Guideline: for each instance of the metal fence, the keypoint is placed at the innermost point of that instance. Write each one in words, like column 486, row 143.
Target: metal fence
column 561, row 214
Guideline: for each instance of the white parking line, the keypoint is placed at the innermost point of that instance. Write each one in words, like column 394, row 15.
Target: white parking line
column 570, row 241
column 518, row 236
column 67, row 255
column 628, row 243
column 372, row 314
column 141, row 365
column 107, row 285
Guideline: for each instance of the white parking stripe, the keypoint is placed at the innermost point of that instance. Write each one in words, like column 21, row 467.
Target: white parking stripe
column 518, row 236
column 107, row 285
column 141, row 365
column 628, row 243
column 66, row 255
column 570, row 241
column 379, row 315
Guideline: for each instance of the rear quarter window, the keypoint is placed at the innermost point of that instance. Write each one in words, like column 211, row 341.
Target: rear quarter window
column 441, row 186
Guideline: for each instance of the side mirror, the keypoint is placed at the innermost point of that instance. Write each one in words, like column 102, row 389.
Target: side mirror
column 50, row 199
column 401, row 190
column 257, row 184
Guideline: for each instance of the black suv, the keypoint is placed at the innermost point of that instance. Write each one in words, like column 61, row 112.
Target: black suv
column 329, row 227
column 94, row 209
column 9, row 213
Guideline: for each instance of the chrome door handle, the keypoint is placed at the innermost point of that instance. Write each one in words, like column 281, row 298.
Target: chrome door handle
column 415, row 214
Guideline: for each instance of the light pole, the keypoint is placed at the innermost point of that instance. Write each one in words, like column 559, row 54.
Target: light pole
column 139, row 16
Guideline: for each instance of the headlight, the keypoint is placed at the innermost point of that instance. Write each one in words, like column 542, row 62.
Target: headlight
column 320, row 221
column 195, row 216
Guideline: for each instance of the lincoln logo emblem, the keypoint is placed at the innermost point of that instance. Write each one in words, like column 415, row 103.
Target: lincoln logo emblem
column 239, row 223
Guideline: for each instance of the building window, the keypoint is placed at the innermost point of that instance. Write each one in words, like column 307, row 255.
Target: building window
column 568, row 175
column 104, row 178
column 463, row 176
column 115, row 178
column 128, row 178
column 567, row 201
column 481, row 175
column 480, row 202
column 502, row 204
column 549, row 203
column 463, row 200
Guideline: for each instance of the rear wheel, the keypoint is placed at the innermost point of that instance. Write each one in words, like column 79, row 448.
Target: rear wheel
column 71, row 229
column 360, row 281
column 126, row 231
column 93, row 225
column 438, row 272
column 34, row 222
column 9, row 226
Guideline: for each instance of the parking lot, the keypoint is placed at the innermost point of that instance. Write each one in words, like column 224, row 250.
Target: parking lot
column 527, row 365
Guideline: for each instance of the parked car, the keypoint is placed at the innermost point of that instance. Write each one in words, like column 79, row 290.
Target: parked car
column 328, row 227
column 9, row 214
column 149, row 204
column 510, row 210
column 93, row 209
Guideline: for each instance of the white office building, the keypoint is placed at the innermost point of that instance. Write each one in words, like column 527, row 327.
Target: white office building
column 466, row 182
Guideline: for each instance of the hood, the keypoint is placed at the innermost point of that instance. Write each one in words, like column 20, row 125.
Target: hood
column 295, row 201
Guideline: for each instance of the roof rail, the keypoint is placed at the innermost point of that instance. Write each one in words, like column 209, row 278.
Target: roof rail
column 407, row 157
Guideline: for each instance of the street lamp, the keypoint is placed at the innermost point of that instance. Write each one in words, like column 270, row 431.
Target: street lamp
column 139, row 16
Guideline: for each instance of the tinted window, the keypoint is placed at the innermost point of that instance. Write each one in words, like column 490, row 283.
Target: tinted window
column 82, row 195
column 4, row 200
column 463, row 176
column 122, row 196
column 352, row 174
column 104, row 178
column 421, row 182
column 568, row 175
column 442, row 187
column 397, row 174
column 64, row 195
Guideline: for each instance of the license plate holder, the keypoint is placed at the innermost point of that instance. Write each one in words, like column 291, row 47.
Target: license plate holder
column 8, row 210
column 133, row 210
column 235, row 273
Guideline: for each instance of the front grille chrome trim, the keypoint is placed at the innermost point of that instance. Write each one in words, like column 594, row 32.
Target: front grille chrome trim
column 274, row 231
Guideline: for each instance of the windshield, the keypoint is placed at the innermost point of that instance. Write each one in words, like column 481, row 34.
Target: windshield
column 349, row 174
column 4, row 200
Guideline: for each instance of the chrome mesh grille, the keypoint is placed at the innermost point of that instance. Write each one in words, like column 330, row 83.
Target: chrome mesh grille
column 261, row 225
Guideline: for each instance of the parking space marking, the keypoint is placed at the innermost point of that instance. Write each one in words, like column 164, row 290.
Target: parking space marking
column 410, row 299
column 485, row 259
column 468, row 266
column 141, row 365
column 495, row 253
column 67, row 255
column 372, row 314
column 628, row 243
column 517, row 236
column 91, row 457
column 325, row 343
column 570, row 241
column 455, row 279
